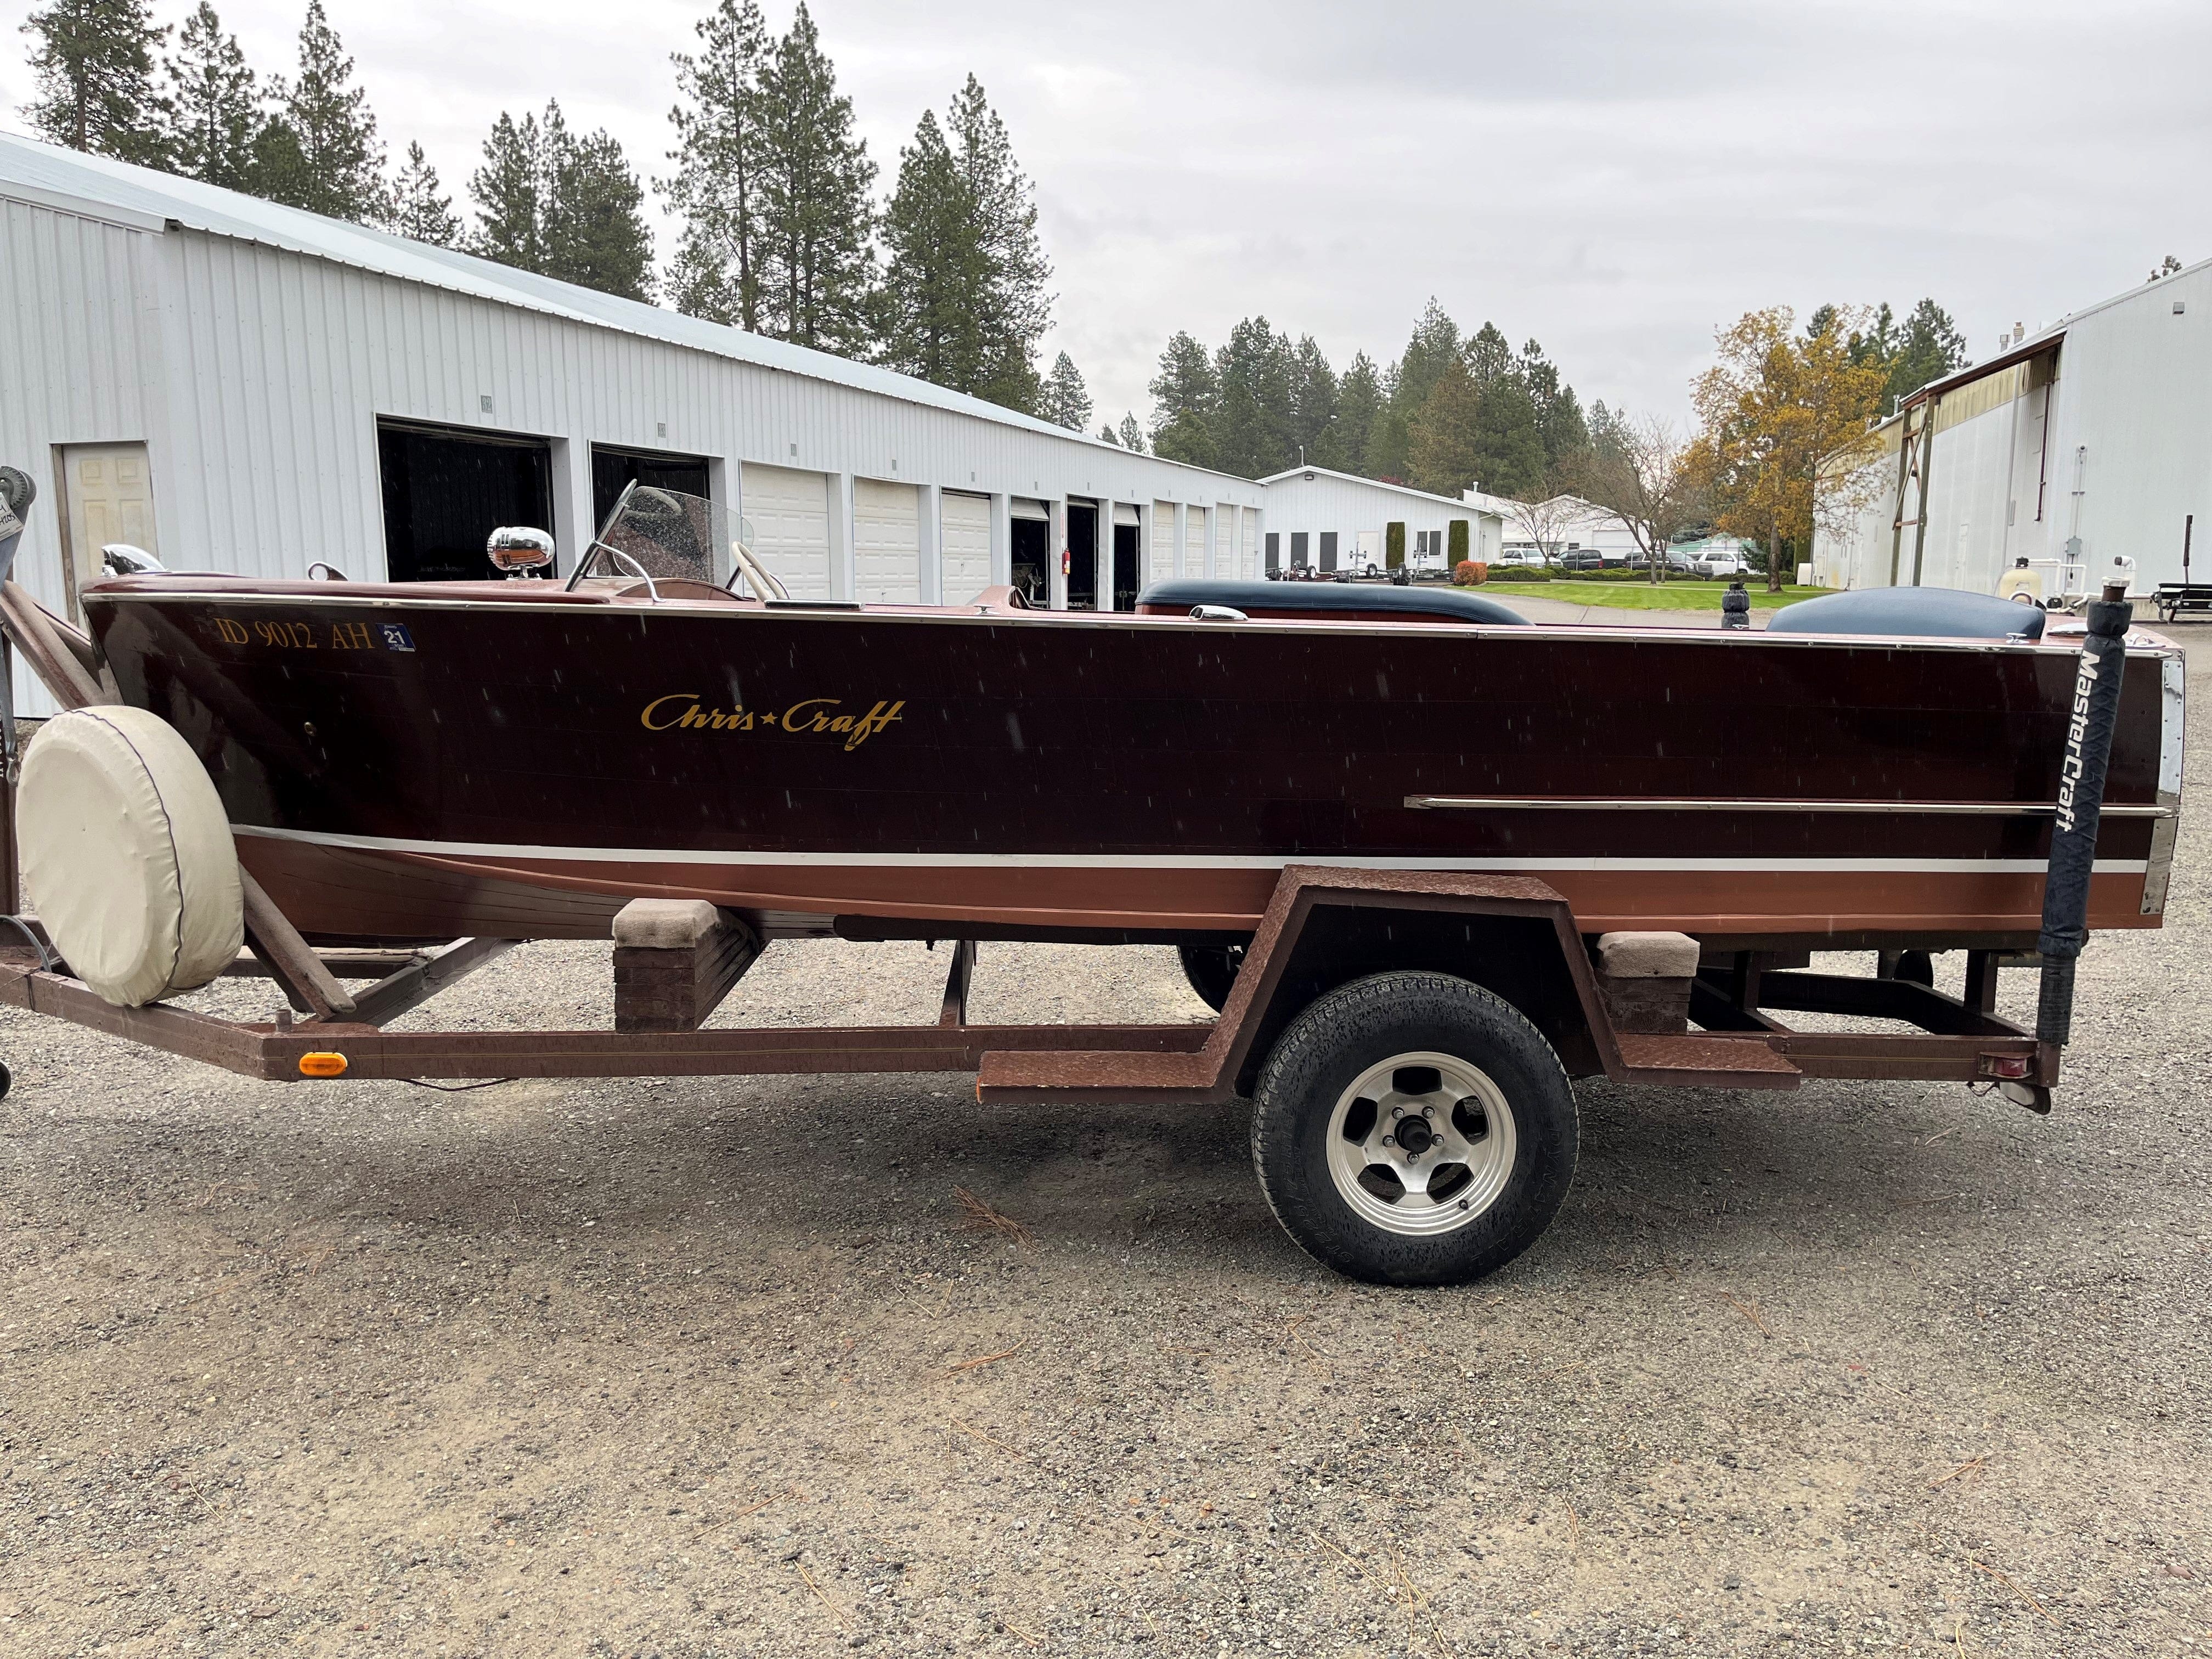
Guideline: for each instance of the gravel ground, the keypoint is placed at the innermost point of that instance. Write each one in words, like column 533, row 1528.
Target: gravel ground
column 719, row 1367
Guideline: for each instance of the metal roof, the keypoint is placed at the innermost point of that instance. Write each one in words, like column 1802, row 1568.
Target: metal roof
column 47, row 175
column 2049, row 340
column 1378, row 484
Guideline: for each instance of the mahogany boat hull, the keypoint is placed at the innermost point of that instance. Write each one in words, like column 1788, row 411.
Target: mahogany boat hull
column 501, row 759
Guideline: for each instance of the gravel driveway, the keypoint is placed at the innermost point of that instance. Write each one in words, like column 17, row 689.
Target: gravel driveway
column 726, row 1368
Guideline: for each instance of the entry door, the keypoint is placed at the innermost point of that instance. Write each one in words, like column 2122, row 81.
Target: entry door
column 1329, row 550
column 110, row 499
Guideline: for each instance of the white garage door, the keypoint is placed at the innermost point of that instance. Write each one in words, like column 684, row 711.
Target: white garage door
column 1194, row 545
column 965, row 527
column 790, row 511
column 887, row 542
column 1161, row 541
column 1251, row 542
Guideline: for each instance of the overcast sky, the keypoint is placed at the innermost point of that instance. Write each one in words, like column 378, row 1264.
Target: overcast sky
column 1612, row 177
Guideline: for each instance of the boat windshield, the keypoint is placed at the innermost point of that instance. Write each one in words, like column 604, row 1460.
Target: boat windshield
column 664, row 532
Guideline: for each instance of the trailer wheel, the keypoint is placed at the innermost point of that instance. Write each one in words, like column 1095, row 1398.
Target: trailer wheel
column 1212, row 971
column 1412, row 1128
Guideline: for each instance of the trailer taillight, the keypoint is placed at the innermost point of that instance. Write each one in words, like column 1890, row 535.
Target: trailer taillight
column 322, row 1063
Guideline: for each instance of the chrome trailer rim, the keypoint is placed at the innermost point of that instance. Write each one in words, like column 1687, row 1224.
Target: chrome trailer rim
column 1421, row 1143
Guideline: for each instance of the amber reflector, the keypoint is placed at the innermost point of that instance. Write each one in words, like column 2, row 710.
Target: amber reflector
column 322, row 1065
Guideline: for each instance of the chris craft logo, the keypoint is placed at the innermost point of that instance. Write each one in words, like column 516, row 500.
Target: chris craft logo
column 680, row 711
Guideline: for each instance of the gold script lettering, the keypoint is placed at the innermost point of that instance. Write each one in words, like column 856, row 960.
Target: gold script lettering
column 645, row 719
column 873, row 722
column 229, row 632
column 793, row 723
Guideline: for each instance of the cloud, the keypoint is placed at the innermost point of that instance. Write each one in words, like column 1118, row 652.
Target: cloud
column 1612, row 178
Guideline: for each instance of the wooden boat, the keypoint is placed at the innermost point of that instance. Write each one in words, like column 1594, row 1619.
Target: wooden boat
column 519, row 759
column 1426, row 860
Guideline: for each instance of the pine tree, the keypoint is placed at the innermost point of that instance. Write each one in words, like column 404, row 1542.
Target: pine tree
column 935, row 269
column 419, row 211
column 343, row 175
column 1434, row 342
column 1185, row 395
column 1508, row 446
column 213, row 111
column 594, row 234
column 1314, row 394
column 1443, row 438
column 716, row 189
column 278, row 172
column 1063, row 400
column 818, row 265
column 1928, row 346
column 1107, row 433
column 1012, row 309
column 1252, row 419
column 1131, row 436
column 1359, row 399
column 508, row 191
column 964, row 299
column 94, row 63
column 1559, row 412
column 564, row 207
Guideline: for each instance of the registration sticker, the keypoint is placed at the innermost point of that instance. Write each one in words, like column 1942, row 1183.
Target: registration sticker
column 396, row 636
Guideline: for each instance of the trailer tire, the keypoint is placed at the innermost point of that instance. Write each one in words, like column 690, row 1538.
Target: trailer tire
column 1477, row 1085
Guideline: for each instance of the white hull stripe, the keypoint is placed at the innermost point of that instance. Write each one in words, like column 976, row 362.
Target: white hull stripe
column 734, row 857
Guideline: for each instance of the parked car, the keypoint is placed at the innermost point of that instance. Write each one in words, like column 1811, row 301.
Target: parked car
column 1720, row 564
column 1583, row 559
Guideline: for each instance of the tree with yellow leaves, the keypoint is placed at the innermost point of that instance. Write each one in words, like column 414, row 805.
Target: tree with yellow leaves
column 1784, row 420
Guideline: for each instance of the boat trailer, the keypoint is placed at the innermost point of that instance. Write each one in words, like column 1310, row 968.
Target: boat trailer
column 1404, row 1037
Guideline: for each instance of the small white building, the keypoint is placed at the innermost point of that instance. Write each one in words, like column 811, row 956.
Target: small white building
column 1569, row 524
column 236, row 385
column 1329, row 521
column 2089, row 440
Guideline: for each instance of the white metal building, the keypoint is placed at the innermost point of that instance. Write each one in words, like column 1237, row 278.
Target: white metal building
column 1329, row 520
column 2089, row 440
column 1576, row 526
column 241, row 386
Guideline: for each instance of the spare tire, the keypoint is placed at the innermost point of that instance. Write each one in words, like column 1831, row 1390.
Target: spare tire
column 127, row 854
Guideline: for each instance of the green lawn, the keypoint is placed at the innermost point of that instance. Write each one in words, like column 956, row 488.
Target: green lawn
column 1642, row 596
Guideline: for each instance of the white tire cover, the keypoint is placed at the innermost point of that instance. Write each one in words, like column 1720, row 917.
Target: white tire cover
column 127, row 854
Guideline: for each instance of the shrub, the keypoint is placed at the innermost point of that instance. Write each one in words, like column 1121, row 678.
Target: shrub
column 1523, row 572
column 1394, row 544
column 1469, row 573
column 1455, row 540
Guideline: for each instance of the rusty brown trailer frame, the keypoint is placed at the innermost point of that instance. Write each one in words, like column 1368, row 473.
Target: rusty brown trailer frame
column 1742, row 1046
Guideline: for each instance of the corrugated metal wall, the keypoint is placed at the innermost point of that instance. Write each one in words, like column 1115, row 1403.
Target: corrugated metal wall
column 1348, row 506
column 256, row 376
column 2127, row 458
